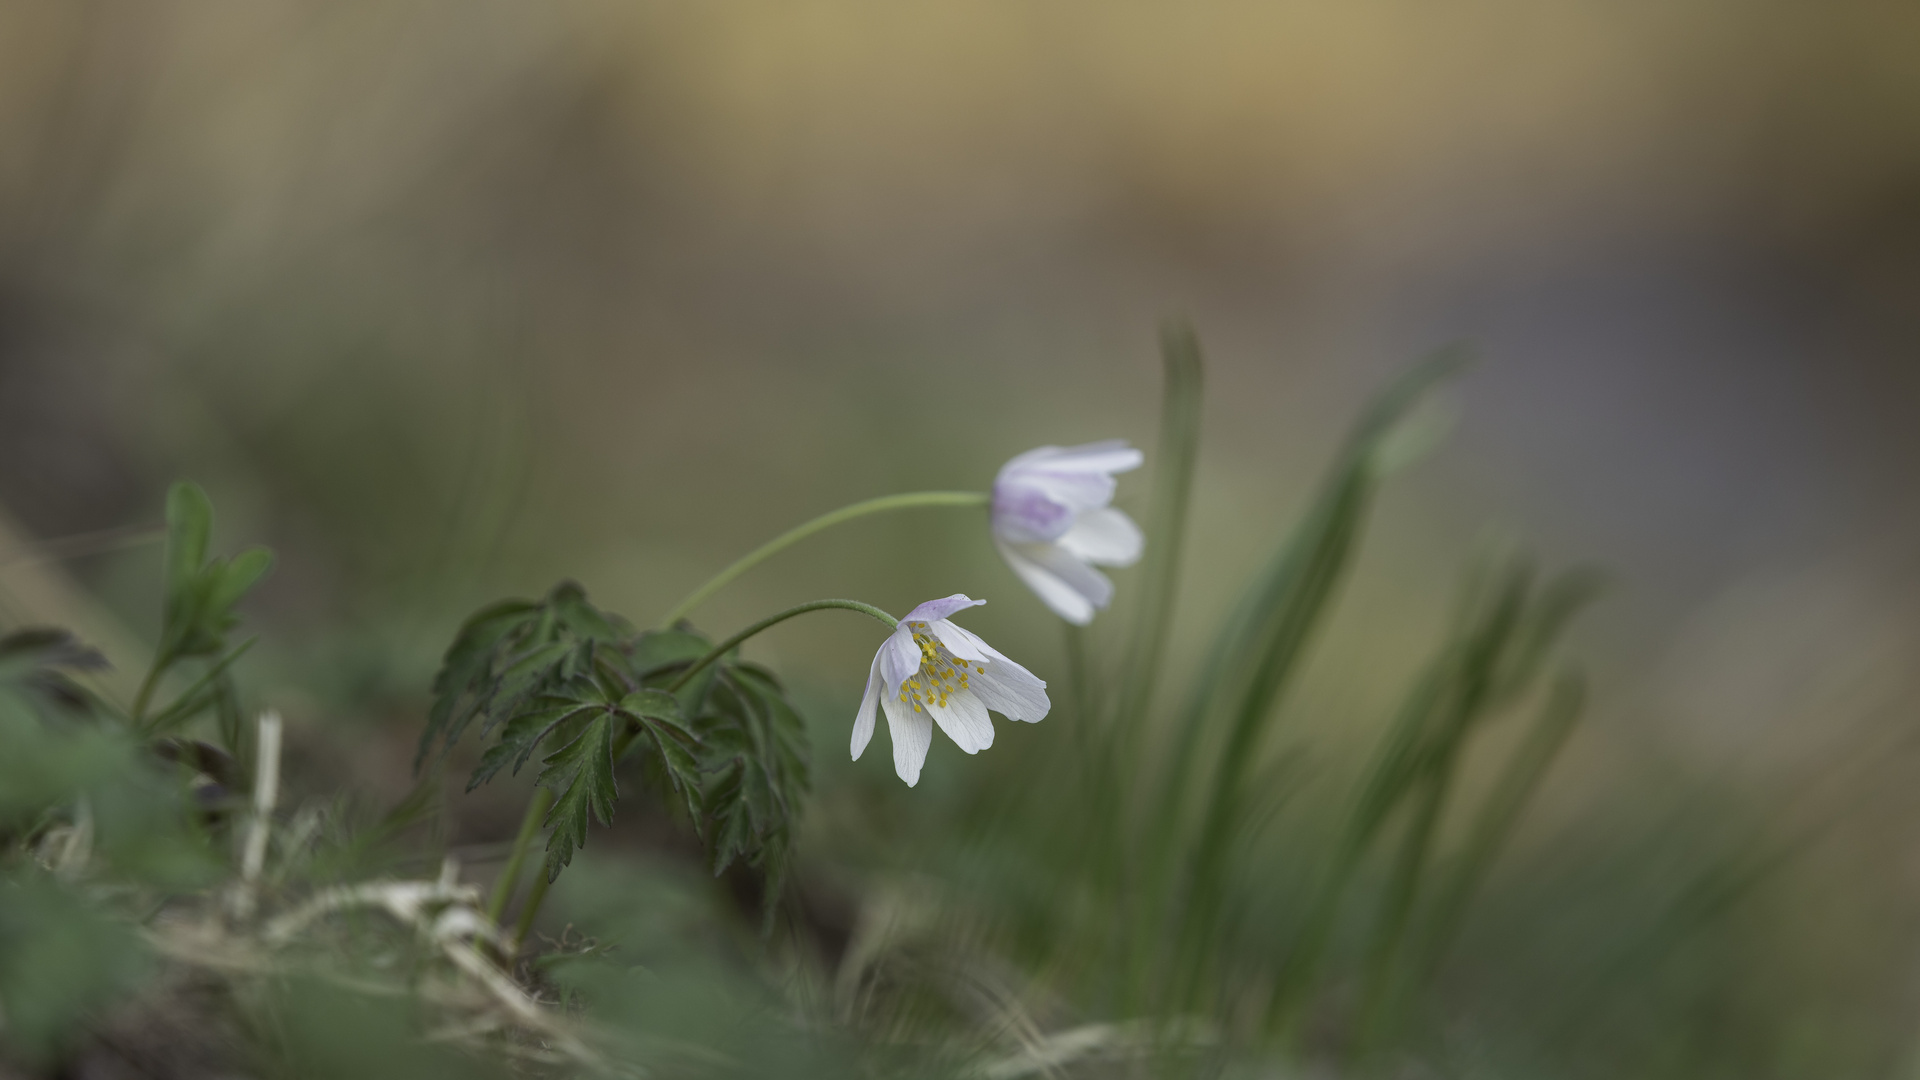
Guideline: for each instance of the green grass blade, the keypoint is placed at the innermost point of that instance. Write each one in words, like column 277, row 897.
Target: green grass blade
column 1256, row 657
column 1501, row 810
column 1178, row 452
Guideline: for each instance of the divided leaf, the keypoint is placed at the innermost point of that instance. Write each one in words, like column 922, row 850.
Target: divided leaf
column 757, row 766
column 580, row 774
column 510, row 654
column 561, row 678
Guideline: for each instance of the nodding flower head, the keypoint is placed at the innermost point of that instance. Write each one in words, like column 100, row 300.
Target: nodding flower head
column 1052, row 523
column 930, row 671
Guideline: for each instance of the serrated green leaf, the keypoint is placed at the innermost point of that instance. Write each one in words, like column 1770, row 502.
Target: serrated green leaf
column 521, row 737
column 510, row 654
column 655, row 705
column 657, row 651
column 580, row 774
column 570, row 607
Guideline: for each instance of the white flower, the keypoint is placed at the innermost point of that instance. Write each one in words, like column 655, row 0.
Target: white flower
column 1052, row 523
column 930, row 671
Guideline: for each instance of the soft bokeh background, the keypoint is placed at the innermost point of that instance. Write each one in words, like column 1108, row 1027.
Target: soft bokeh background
column 446, row 301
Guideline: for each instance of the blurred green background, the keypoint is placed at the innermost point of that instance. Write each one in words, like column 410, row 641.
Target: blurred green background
column 446, row 301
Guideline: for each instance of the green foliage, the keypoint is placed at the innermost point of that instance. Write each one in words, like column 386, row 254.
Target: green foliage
column 35, row 665
column 90, row 817
column 325, row 1031
column 61, row 959
column 1165, row 908
column 506, row 655
column 565, row 680
column 665, row 976
column 756, row 761
column 197, row 616
column 581, row 776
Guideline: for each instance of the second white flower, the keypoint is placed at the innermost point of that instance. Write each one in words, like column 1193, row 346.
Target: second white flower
column 930, row 671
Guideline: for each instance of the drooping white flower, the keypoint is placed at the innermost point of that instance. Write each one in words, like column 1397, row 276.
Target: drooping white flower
column 929, row 672
column 1052, row 523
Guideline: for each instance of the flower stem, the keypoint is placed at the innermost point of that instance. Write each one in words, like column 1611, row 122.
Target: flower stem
column 147, row 686
column 510, row 877
column 626, row 738
column 733, row 642
column 800, row 532
column 541, row 883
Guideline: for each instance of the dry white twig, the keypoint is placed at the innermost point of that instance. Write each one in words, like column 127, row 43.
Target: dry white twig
column 266, row 792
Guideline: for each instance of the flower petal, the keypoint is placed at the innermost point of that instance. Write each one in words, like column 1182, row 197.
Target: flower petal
column 937, row 609
column 1002, row 685
column 1106, row 537
column 1053, row 592
column 869, row 702
column 961, row 642
column 964, row 719
column 899, row 658
column 1105, row 456
column 1070, row 568
column 912, row 734
column 1012, row 691
column 1025, row 513
column 1074, row 490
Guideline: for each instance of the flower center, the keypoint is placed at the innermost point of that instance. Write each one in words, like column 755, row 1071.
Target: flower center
column 941, row 673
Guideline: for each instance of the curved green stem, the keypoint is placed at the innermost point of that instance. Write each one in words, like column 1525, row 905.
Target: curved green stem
column 733, row 642
column 626, row 738
column 794, row 535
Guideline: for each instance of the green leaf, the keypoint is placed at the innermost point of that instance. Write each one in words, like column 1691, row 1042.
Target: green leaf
column 60, row 961
column 189, row 528
column 580, row 774
column 521, row 736
column 237, row 577
column 755, row 759
column 198, row 612
column 673, row 742
column 35, row 662
column 509, row 654
column 201, row 695
column 563, row 678
column 655, row 705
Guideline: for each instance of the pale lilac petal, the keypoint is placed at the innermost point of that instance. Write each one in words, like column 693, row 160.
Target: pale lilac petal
column 899, row 657
column 1074, row 490
column 912, row 734
column 1106, row 456
column 1055, row 593
column 1025, row 513
column 869, row 702
column 964, row 719
column 938, row 609
column 1106, row 537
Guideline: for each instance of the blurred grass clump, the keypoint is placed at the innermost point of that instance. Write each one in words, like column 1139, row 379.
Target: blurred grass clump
column 1172, row 876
